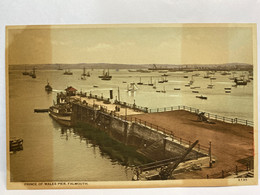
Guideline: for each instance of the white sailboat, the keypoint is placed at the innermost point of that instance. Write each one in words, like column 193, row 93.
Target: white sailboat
column 132, row 87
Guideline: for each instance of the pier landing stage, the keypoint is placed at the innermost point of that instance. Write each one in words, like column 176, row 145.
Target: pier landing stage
column 110, row 107
column 231, row 143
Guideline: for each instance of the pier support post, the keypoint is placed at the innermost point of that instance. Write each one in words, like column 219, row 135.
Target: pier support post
column 164, row 147
column 125, row 132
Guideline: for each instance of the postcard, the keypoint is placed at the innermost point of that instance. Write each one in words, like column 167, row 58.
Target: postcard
column 131, row 106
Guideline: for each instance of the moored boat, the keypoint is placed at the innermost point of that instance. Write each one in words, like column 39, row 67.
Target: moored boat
column 67, row 72
column 105, row 76
column 25, row 71
column 202, row 97
column 140, row 82
column 48, row 87
column 239, row 81
column 15, row 143
column 61, row 113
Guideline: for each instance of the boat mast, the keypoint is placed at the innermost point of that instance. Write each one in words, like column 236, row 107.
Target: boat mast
column 118, row 94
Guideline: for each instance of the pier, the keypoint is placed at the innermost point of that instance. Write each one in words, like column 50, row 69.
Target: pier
column 227, row 145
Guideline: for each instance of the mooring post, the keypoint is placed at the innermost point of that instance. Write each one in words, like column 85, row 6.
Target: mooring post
column 222, row 174
column 207, row 176
column 236, row 170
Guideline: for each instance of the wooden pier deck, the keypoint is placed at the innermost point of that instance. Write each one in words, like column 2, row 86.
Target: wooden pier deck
column 230, row 142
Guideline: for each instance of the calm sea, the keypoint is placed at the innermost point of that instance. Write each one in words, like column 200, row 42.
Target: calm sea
column 54, row 153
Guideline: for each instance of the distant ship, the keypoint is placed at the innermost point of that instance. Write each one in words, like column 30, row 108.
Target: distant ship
column 105, row 75
column 60, row 68
column 25, row 71
column 240, row 81
column 84, row 72
column 67, row 72
column 33, row 73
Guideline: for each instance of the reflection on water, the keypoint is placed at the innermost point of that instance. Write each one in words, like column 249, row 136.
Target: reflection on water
column 51, row 152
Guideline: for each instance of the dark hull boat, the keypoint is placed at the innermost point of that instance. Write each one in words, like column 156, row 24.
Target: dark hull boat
column 67, row 72
column 25, row 73
column 48, row 87
column 16, row 144
column 202, row 97
column 105, row 76
column 240, row 81
column 61, row 113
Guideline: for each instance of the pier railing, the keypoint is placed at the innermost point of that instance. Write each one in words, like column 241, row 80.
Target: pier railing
column 132, row 106
column 234, row 170
column 207, row 114
column 172, row 108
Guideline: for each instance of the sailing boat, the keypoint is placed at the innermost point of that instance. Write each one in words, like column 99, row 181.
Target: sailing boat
column 101, row 76
column 206, row 76
column 191, row 81
column 154, row 85
column 151, row 84
column 161, row 81
column 83, row 77
column 165, row 80
column 140, row 82
column 132, row 87
column 25, row 72
column 210, row 86
column 33, row 74
column 60, row 68
column 67, row 72
column 106, row 76
column 84, row 72
column 162, row 91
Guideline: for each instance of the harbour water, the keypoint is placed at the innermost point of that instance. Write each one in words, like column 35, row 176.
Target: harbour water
column 53, row 153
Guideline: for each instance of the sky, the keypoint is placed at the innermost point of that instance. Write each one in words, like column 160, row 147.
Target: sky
column 131, row 45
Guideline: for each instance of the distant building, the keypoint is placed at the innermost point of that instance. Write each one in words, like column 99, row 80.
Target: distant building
column 70, row 91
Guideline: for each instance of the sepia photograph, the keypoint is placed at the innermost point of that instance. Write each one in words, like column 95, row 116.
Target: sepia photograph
column 131, row 105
